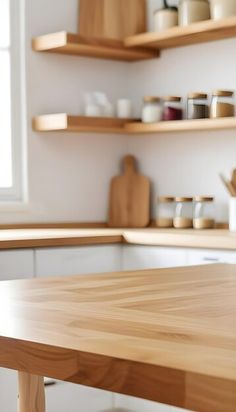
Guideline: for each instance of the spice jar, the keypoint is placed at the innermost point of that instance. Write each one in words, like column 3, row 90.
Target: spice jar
column 222, row 104
column 165, row 18
column 165, row 212
column 183, row 213
column 197, row 106
column 221, row 9
column 204, row 213
column 152, row 109
column 172, row 109
column 191, row 11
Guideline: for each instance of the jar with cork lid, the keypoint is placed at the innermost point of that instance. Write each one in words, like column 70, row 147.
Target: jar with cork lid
column 204, row 212
column 183, row 213
column 222, row 104
column 152, row 109
column 165, row 211
column 197, row 106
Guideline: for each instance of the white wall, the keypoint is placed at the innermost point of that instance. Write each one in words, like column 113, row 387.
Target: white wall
column 69, row 174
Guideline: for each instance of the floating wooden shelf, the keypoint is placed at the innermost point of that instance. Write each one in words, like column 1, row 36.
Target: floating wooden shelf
column 200, row 32
column 79, row 124
column 82, row 124
column 67, row 43
column 181, row 126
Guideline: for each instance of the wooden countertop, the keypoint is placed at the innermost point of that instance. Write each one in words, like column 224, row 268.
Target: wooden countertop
column 167, row 335
column 30, row 238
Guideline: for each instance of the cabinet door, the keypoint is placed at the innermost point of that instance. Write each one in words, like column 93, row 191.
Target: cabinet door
column 77, row 260
column 16, row 264
column 150, row 257
column 204, row 257
column 139, row 405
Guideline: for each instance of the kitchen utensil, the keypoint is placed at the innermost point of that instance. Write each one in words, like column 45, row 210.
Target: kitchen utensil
column 233, row 178
column 166, row 17
column 229, row 186
column 129, row 197
column 191, row 11
column 114, row 19
column 124, row 109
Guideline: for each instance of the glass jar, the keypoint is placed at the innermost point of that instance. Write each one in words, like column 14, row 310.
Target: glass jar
column 172, row 109
column 165, row 212
column 152, row 109
column 191, row 11
column 222, row 104
column 197, row 106
column 204, row 212
column 183, row 213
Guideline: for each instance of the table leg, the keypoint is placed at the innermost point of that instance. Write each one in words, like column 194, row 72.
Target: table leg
column 31, row 396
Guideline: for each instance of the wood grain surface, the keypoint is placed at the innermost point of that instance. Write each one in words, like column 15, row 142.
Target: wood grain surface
column 166, row 335
column 31, row 393
column 112, row 19
column 129, row 203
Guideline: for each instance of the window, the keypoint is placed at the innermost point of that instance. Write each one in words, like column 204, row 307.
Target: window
column 11, row 102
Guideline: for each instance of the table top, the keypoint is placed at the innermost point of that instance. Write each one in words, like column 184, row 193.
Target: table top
column 56, row 237
column 167, row 335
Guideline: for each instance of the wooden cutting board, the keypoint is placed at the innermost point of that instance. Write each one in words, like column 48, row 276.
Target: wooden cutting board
column 114, row 19
column 129, row 197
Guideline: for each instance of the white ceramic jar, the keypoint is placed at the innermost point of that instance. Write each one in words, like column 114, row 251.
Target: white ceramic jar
column 164, row 19
column 152, row 109
column 232, row 214
column 191, row 11
column 221, row 9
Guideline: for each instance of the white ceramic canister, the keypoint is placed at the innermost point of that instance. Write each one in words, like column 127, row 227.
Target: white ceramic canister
column 232, row 214
column 124, row 109
column 221, row 9
column 152, row 111
column 164, row 19
column 192, row 11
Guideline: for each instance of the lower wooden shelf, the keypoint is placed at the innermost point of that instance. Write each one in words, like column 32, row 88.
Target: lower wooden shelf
column 79, row 124
column 181, row 126
column 82, row 124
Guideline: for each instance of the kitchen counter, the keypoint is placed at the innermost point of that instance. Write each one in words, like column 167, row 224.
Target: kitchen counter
column 166, row 335
column 31, row 238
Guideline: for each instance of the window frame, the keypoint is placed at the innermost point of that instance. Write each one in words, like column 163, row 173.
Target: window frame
column 16, row 49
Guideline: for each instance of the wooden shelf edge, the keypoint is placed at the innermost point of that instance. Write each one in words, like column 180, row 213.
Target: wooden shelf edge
column 181, row 126
column 200, row 32
column 72, row 44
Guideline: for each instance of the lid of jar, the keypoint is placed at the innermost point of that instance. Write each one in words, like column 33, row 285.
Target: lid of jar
column 183, row 199
column 197, row 96
column 169, row 9
column 203, row 199
column 223, row 93
column 151, row 99
column 172, row 99
column 166, row 199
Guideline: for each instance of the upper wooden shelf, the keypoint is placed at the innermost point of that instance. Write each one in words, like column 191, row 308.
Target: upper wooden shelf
column 201, row 32
column 82, row 124
column 72, row 44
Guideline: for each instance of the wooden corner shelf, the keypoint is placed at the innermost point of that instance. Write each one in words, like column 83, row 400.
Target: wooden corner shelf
column 181, row 126
column 201, row 32
column 80, row 124
column 72, row 44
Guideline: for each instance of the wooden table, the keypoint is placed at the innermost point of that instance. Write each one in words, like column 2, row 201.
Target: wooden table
column 164, row 335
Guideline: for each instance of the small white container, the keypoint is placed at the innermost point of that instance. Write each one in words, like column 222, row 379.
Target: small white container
column 164, row 19
column 221, row 9
column 192, row 11
column 124, row 109
column 152, row 111
column 232, row 214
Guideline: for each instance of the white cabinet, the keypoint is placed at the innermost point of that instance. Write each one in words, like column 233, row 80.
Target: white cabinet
column 78, row 260
column 16, row 264
column 151, row 257
column 204, row 257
